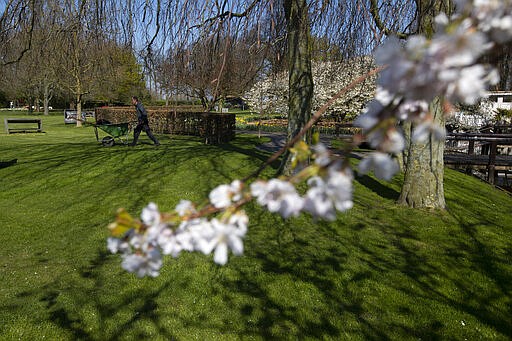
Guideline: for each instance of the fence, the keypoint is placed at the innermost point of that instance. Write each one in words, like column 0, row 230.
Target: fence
column 481, row 151
column 213, row 127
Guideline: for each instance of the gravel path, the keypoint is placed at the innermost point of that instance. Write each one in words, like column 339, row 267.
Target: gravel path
column 278, row 140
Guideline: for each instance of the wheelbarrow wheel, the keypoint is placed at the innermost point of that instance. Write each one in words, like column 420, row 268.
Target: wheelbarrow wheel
column 107, row 141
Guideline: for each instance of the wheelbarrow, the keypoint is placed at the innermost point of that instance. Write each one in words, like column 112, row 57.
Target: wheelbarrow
column 116, row 132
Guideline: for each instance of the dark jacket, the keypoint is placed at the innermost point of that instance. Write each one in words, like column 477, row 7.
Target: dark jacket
column 142, row 115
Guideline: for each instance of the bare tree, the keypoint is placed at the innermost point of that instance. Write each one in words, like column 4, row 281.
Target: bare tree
column 43, row 58
column 16, row 28
column 85, row 37
column 212, row 69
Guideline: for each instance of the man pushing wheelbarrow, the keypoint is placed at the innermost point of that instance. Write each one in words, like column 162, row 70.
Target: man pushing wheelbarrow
column 142, row 124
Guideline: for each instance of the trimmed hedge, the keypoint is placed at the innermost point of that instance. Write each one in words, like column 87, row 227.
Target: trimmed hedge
column 213, row 127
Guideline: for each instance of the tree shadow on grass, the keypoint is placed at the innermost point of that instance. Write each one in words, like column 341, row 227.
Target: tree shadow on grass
column 452, row 263
column 142, row 168
column 487, row 244
column 303, row 268
column 413, row 281
column 334, row 262
column 377, row 187
column 248, row 145
column 250, row 151
column 80, row 308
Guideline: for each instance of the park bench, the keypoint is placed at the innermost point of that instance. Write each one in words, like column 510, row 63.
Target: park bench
column 22, row 125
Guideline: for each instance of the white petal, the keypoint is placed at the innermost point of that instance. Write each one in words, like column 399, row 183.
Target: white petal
column 236, row 244
column 385, row 169
column 206, row 246
column 150, row 214
column 365, row 166
column 184, row 207
column 221, row 254
column 113, row 244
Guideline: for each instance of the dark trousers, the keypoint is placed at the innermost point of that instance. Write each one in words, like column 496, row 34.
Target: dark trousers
column 140, row 127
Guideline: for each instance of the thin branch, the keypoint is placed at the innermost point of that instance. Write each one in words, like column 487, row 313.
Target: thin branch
column 225, row 55
column 30, row 34
column 229, row 14
column 374, row 10
column 158, row 7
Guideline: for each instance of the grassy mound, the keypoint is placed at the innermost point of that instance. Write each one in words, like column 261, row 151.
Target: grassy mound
column 379, row 272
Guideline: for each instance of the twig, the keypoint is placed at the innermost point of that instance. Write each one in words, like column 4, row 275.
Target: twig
column 228, row 14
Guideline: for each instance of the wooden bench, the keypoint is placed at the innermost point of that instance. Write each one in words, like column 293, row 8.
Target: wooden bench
column 21, row 125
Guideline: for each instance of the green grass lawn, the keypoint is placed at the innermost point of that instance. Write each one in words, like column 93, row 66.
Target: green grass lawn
column 379, row 272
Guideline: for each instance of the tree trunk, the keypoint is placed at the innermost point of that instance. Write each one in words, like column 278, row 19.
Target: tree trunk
column 47, row 95
column 424, row 168
column 78, row 110
column 505, row 68
column 300, row 75
column 423, row 163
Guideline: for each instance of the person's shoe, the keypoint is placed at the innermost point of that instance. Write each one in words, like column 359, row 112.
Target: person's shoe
column 132, row 144
column 157, row 144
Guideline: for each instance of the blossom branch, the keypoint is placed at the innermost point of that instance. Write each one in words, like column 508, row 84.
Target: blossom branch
column 446, row 65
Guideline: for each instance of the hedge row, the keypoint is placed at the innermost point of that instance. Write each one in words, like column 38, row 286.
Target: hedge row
column 213, row 127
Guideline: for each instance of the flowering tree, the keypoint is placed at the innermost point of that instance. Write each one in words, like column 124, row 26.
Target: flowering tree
column 445, row 66
column 270, row 94
column 471, row 117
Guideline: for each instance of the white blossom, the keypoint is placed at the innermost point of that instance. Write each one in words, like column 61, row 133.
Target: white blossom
column 115, row 245
column 322, row 154
column 151, row 217
column 468, row 84
column 493, row 17
column 270, row 94
column 278, row 196
column 393, row 141
column 326, row 195
column 460, row 48
column 150, row 214
column 423, row 69
column 408, row 72
column 387, row 139
column 224, row 237
column 317, row 201
column 138, row 241
column 169, row 243
column 426, row 129
column 191, row 233
column 143, row 263
column 240, row 220
column 224, row 195
column 412, row 110
column 185, row 207
column 369, row 119
column 382, row 165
